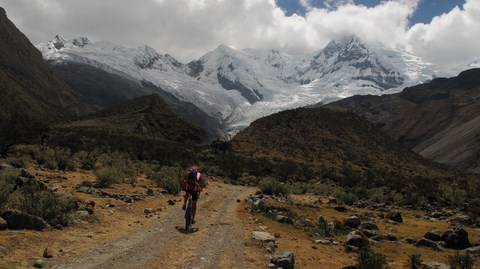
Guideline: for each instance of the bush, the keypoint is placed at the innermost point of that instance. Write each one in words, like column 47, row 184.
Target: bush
column 273, row 187
column 64, row 160
column 87, row 160
column 415, row 261
column 18, row 162
column 115, row 168
column 459, row 261
column 368, row 259
column 168, row 178
column 31, row 197
column 7, row 185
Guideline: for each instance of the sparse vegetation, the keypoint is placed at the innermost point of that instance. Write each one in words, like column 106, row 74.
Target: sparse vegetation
column 460, row 261
column 32, row 197
column 368, row 259
column 115, row 168
column 168, row 178
column 272, row 186
column 415, row 261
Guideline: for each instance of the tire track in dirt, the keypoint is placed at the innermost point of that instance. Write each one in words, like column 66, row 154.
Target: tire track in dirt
column 216, row 241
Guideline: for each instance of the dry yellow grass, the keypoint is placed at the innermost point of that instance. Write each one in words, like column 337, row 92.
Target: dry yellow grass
column 397, row 253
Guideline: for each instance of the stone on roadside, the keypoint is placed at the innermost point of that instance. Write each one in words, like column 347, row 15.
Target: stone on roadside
column 17, row 220
column 409, row 240
column 424, row 242
column 456, row 238
column 433, row 235
column 285, row 260
column 263, row 236
column 473, row 250
column 352, row 222
column 38, row 263
column 149, row 211
column 395, row 216
column 357, row 239
column 47, row 253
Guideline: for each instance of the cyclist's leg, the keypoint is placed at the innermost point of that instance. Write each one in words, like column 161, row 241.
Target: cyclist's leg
column 194, row 204
column 185, row 200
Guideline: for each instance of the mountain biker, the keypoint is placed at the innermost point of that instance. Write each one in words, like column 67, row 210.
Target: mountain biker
column 192, row 184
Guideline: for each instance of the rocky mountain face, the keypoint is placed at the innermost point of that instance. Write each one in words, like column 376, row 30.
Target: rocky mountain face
column 336, row 144
column 103, row 89
column 148, row 116
column 31, row 95
column 439, row 119
column 235, row 87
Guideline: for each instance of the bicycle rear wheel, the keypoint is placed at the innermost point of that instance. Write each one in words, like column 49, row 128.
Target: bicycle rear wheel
column 188, row 215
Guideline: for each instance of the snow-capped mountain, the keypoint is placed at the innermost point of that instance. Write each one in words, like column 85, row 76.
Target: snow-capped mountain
column 239, row 86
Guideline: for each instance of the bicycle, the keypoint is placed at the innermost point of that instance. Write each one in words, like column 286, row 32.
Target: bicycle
column 188, row 213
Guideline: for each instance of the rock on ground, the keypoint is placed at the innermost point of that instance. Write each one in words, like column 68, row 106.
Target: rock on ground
column 286, row 259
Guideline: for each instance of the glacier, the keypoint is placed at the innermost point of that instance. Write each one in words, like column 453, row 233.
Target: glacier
column 237, row 87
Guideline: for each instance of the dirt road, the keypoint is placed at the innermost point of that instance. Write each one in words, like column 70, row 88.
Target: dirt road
column 217, row 240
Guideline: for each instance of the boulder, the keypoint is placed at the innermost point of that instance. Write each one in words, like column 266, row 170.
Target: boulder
column 409, row 240
column 368, row 226
column 433, row 235
column 149, row 211
column 473, row 250
column 17, row 220
column 395, row 216
column 370, row 233
column 340, row 208
column 357, row 239
column 456, row 238
column 285, row 260
column 263, row 236
column 283, row 219
column 171, row 202
column 352, row 222
column 428, row 243
column 3, row 224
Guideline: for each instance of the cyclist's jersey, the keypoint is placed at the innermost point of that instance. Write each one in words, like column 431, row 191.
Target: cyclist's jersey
column 193, row 187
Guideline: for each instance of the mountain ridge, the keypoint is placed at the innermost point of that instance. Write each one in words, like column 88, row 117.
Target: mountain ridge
column 437, row 119
column 236, row 87
column 32, row 97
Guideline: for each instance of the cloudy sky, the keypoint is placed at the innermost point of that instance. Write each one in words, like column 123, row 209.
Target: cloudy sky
column 441, row 31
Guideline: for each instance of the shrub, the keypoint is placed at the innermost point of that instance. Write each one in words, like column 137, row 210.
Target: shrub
column 346, row 198
column 459, row 261
column 7, row 185
column 168, row 178
column 273, row 187
column 18, row 162
column 115, row 168
column 64, row 160
column 45, row 155
column 87, row 160
column 34, row 199
column 368, row 259
column 415, row 261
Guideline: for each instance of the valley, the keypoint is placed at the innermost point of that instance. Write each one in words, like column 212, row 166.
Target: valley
column 356, row 155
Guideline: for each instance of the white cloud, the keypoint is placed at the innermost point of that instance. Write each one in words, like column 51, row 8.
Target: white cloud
column 187, row 29
column 452, row 38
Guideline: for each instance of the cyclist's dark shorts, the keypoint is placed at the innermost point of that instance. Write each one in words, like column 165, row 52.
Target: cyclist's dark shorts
column 195, row 195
